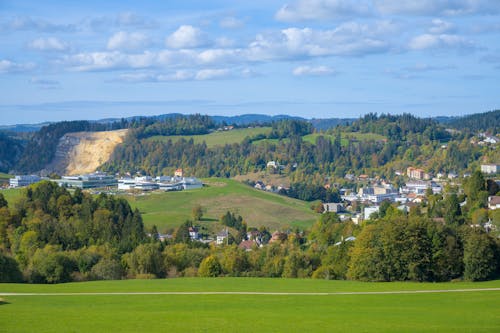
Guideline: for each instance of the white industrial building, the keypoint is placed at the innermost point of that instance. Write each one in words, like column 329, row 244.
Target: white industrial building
column 23, row 180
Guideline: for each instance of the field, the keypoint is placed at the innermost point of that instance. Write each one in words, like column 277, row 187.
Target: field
column 12, row 195
column 218, row 138
column 250, row 305
column 170, row 209
column 346, row 136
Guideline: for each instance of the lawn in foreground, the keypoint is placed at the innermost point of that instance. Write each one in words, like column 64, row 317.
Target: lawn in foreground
column 443, row 312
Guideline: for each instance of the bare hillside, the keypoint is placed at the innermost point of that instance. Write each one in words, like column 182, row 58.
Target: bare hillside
column 84, row 152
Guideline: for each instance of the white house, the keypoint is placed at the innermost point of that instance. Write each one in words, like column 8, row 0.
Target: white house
column 370, row 210
column 222, row 236
column 490, row 168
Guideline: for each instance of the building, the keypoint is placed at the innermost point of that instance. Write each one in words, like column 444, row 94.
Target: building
column 193, row 233
column 23, row 180
column 490, row 168
column 332, row 207
column 222, row 237
column 190, row 183
column 416, row 173
column 92, row 180
column 370, row 210
column 179, row 173
column 494, row 202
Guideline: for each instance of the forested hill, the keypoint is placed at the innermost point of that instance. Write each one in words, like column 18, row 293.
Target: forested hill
column 481, row 122
column 11, row 149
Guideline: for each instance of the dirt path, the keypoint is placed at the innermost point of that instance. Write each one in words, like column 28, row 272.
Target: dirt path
column 397, row 292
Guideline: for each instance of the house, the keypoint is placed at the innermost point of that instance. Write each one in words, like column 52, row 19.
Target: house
column 278, row 236
column 247, row 245
column 179, row 173
column 272, row 164
column 416, row 173
column 490, row 168
column 222, row 237
column 333, row 207
column 193, row 233
column 494, row 202
column 370, row 210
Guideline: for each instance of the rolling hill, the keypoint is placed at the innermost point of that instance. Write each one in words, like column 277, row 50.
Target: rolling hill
column 168, row 210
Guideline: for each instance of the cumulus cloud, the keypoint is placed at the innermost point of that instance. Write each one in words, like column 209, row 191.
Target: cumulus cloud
column 442, row 41
column 350, row 39
column 323, row 10
column 127, row 41
column 48, row 44
column 438, row 7
column 186, row 37
column 313, row 71
column 7, row 66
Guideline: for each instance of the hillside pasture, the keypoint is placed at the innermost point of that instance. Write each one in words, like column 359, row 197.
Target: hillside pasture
column 249, row 305
column 218, row 138
column 170, row 209
column 345, row 137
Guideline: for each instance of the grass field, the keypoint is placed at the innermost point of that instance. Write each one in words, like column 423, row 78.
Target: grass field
column 170, row 209
column 12, row 195
column 218, row 138
column 345, row 136
column 472, row 311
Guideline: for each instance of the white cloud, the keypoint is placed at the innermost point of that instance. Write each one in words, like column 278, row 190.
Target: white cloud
column 29, row 23
column 313, row 71
column 429, row 41
column 231, row 22
column 438, row 7
column 7, row 66
column 48, row 44
column 211, row 74
column 127, row 41
column 45, row 83
column 440, row 27
column 322, row 10
column 187, row 37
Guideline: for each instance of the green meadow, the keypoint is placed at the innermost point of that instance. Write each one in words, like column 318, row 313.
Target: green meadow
column 345, row 137
column 170, row 209
column 218, row 138
column 471, row 311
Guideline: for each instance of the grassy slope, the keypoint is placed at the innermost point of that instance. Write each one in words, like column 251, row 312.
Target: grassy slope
column 12, row 195
column 345, row 136
column 218, row 138
column 258, row 208
column 444, row 312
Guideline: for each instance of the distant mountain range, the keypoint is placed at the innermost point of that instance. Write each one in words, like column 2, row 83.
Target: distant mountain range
column 246, row 119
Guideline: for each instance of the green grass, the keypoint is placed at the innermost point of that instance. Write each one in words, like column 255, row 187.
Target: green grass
column 5, row 176
column 12, row 195
column 170, row 209
column 440, row 312
column 345, row 136
column 218, row 138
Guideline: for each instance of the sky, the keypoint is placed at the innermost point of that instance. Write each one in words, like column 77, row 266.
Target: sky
column 67, row 60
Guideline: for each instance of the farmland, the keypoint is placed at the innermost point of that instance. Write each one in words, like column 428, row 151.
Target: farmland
column 199, row 305
column 170, row 209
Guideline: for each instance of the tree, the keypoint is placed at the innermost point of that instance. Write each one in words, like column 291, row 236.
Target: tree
column 3, row 202
column 479, row 256
column 107, row 269
column 9, row 269
column 210, row 267
column 146, row 259
column 197, row 212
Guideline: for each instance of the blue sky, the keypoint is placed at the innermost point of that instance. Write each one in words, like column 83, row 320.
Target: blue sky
column 62, row 60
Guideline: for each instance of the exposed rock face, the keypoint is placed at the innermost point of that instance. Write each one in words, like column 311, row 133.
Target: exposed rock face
column 84, row 152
